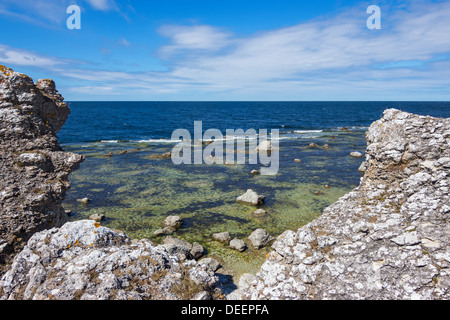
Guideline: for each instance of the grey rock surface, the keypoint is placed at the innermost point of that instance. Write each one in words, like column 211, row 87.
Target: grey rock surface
column 183, row 249
column 223, row 237
column 83, row 260
column 265, row 146
column 387, row 239
column 238, row 244
column 34, row 169
column 174, row 222
column 251, row 198
column 99, row 217
column 260, row 238
column 356, row 154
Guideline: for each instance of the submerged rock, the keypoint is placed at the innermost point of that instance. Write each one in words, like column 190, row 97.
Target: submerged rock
column 99, row 217
column 356, row 154
column 164, row 231
column 388, row 238
column 237, row 244
column 265, row 146
column 260, row 213
column 174, row 222
column 166, row 155
column 223, row 237
column 171, row 224
column 252, row 198
column 260, row 238
column 84, row 200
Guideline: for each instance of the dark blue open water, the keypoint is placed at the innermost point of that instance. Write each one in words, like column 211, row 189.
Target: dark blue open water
column 97, row 121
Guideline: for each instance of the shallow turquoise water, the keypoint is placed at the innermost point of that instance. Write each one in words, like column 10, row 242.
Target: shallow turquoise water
column 136, row 192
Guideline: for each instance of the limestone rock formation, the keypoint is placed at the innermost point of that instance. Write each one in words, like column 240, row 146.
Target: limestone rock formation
column 34, row 169
column 71, row 260
column 387, row 239
column 83, row 260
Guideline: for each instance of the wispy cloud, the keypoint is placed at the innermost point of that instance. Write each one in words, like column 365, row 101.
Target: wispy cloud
column 311, row 54
column 103, row 5
column 199, row 37
column 123, row 42
column 111, row 5
column 38, row 12
column 333, row 58
column 50, row 14
column 19, row 57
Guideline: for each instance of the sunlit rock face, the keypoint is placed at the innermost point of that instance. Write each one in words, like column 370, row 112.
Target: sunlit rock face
column 388, row 238
column 33, row 168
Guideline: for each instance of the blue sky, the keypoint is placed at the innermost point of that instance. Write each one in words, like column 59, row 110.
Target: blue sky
column 232, row 50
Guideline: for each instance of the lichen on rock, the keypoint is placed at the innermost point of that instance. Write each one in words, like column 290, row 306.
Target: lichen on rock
column 34, row 169
column 49, row 258
column 387, row 239
column 85, row 261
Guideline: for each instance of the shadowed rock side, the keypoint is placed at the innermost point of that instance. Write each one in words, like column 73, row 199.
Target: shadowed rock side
column 33, row 168
column 387, row 239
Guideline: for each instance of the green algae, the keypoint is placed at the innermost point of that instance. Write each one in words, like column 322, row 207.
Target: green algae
column 136, row 193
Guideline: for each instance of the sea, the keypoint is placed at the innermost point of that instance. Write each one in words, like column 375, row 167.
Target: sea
column 136, row 188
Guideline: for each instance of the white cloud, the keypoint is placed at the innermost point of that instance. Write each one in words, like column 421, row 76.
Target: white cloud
column 38, row 12
column 200, row 37
column 18, row 57
column 314, row 50
column 103, row 5
column 336, row 58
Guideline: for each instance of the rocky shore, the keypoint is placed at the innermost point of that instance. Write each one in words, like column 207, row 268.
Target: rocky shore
column 46, row 257
column 387, row 239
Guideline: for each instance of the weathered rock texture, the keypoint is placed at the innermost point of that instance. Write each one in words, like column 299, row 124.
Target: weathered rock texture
column 387, row 239
column 83, row 260
column 72, row 260
column 33, row 168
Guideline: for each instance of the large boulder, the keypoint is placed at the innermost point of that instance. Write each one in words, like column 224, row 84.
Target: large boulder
column 387, row 239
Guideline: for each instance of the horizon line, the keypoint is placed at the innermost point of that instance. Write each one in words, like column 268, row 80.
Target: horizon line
column 388, row 101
